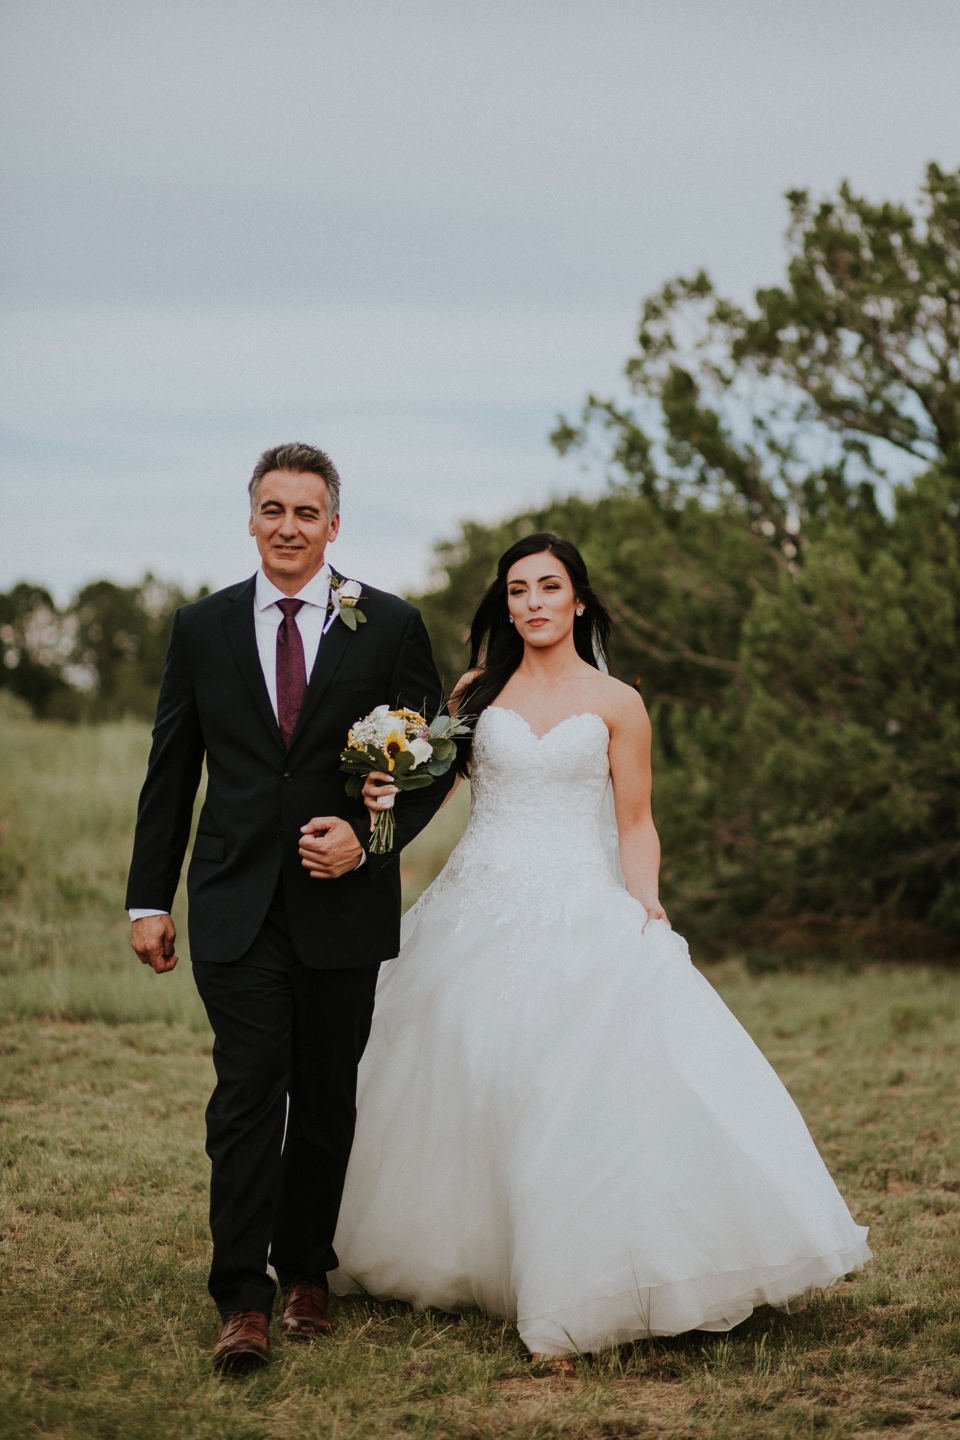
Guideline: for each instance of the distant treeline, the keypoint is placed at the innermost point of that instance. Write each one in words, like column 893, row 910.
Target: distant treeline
column 779, row 543
column 98, row 658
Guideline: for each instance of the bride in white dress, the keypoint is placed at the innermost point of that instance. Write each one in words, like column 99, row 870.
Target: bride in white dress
column 559, row 1121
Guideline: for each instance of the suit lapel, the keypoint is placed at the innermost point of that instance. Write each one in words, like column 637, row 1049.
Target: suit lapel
column 241, row 635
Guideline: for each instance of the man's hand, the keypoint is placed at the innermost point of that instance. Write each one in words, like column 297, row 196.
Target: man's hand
column 154, row 939
column 329, row 848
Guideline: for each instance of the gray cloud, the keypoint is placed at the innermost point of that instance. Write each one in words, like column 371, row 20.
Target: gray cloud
column 257, row 154
column 410, row 231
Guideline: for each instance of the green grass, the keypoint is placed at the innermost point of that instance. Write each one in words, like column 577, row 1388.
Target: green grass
column 105, row 1327
column 68, row 800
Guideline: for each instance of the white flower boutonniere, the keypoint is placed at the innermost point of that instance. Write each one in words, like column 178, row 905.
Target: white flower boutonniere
column 344, row 595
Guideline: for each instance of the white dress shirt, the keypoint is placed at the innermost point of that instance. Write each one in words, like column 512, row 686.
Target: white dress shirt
column 312, row 621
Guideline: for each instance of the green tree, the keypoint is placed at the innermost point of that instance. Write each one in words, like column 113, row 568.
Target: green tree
column 803, row 405
column 99, row 657
column 853, row 680
column 36, row 645
column 121, row 639
column 779, row 546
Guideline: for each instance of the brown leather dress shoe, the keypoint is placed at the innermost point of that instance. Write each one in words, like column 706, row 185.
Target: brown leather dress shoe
column 304, row 1314
column 244, row 1342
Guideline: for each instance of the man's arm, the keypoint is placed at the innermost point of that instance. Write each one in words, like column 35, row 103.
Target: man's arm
column 165, row 811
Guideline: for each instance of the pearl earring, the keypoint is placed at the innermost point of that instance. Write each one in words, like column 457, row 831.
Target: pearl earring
column 580, row 610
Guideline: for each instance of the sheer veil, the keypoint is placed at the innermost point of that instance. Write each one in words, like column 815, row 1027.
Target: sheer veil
column 609, row 833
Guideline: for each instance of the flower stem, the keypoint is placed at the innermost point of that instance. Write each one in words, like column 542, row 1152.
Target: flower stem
column 384, row 826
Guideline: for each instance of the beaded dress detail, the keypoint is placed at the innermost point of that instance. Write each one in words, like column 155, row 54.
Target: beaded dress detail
column 559, row 1120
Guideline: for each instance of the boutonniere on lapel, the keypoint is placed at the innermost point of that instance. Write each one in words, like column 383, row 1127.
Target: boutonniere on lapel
column 344, row 595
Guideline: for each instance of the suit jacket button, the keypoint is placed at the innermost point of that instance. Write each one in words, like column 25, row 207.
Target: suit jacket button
column 279, row 835
column 287, row 775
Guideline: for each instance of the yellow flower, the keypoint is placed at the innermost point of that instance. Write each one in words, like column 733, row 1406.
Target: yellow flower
column 413, row 716
column 394, row 745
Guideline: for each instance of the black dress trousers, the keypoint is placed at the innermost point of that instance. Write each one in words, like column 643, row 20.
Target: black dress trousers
column 280, row 1029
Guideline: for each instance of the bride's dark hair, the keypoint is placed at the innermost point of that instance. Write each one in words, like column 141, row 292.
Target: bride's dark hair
column 495, row 647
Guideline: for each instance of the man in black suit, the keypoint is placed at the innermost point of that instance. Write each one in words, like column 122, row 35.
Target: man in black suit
column 289, row 914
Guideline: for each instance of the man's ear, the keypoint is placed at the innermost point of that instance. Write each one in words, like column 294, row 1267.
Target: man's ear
column 251, row 528
column 334, row 529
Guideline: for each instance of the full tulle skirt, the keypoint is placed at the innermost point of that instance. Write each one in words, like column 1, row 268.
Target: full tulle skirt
column 575, row 1133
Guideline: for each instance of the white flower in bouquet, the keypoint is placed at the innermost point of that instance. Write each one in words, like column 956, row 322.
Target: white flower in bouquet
column 421, row 750
column 401, row 744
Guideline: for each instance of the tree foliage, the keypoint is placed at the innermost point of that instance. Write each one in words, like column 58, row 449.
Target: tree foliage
column 779, row 546
column 99, row 657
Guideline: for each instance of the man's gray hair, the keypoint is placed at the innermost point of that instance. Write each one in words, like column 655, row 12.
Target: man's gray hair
column 296, row 457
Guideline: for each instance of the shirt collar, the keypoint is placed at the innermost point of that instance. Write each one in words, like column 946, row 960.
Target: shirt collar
column 315, row 592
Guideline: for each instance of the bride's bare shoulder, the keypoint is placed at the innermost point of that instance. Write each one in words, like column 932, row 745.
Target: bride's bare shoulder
column 623, row 707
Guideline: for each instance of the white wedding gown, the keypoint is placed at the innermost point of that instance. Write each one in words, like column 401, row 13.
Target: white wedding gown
column 559, row 1120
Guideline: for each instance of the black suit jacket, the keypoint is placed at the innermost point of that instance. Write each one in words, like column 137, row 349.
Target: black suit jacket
column 213, row 703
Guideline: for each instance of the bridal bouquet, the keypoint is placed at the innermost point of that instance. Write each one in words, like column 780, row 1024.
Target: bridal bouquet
column 401, row 744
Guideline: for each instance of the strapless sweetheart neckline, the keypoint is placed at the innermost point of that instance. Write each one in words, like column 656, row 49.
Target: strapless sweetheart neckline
column 581, row 715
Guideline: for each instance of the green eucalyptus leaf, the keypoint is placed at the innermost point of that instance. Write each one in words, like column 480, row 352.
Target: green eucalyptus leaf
column 414, row 780
column 349, row 617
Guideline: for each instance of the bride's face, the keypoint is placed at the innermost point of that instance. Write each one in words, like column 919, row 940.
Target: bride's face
column 541, row 600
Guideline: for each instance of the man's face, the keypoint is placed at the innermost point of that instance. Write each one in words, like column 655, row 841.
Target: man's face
column 292, row 527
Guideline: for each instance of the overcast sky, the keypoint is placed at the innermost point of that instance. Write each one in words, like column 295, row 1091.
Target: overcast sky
column 409, row 232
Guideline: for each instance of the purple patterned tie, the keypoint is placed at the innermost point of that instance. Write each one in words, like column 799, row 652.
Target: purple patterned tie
column 291, row 668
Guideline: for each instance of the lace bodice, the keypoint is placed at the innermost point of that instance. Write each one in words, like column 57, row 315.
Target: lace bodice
column 538, row 796
column 535, row 847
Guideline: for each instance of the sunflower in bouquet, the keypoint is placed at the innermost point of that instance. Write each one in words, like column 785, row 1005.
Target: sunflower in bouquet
column 405, row 746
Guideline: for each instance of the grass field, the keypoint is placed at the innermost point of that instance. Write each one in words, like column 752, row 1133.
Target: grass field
column 105, row 1328
column 68, row 798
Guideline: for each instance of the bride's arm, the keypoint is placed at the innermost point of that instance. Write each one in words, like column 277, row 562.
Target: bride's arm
column 631, row 775
column 378, row 784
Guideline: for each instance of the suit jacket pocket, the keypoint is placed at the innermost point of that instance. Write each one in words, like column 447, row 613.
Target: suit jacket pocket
column 208, row 847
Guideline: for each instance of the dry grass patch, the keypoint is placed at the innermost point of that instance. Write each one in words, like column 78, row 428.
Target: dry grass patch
column 107, row 1329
